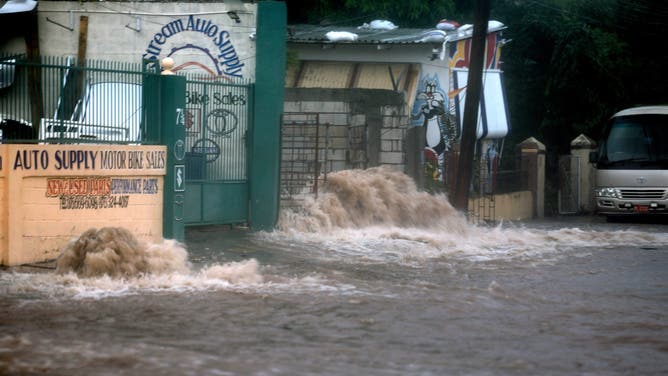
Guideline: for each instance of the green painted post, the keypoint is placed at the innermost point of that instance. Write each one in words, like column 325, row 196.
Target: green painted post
column 151, row 124
column 172, row 106
column 268, row 107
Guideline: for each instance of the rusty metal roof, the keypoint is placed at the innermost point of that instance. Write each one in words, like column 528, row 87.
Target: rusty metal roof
column 316, row 34
column 366, row 35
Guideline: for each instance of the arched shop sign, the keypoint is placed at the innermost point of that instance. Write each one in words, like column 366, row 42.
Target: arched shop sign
column 203, row 45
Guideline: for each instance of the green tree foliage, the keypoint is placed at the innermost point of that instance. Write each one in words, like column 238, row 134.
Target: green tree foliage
column 405, row 13
column 564, row 69
column 571, row 64
column 568, row 64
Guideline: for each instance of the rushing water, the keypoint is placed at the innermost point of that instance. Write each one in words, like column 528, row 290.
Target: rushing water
column 373, row 278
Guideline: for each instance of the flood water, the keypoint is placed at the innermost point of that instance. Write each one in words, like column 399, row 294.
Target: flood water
column 374, row 278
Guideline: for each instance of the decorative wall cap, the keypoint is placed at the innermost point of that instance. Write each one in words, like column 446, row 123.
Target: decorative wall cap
column 532, row 143
column 583, row 142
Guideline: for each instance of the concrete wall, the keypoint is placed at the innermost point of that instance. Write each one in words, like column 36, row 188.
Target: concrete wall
column 51, row 193
column 532, row 160
column 392, row 141
column 200, row 37
column 507, row 207
column 581, row 146
column 380, row 112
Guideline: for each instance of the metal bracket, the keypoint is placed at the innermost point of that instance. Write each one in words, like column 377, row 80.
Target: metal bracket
column 70, row 28
column 137, row 26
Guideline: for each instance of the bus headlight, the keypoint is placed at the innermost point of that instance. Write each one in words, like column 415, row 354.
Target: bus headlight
column 608, row 192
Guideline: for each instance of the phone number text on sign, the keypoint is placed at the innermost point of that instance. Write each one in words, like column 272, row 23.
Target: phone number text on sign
column 93, row 202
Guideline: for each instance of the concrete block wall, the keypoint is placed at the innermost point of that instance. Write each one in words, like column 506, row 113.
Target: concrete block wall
column 392, row 148
column 390, row 141
column 380, row 112
column 392, row 137
column 357, row 129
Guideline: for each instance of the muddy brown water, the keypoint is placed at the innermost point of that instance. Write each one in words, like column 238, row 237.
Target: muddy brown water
column 331, row 293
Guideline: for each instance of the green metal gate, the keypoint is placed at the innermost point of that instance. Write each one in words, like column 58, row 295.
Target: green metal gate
column 218, row 118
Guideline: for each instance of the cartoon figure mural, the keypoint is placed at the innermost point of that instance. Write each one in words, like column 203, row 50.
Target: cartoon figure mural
column 438, row 106
column 431, row 110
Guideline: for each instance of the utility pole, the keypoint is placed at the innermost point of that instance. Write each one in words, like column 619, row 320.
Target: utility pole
column 470, row 121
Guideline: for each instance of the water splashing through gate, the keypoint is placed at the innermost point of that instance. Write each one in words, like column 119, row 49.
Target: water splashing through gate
column 379, row 215
column 378, row 196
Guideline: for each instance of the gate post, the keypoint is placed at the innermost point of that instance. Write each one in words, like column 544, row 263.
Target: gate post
column 532, row 161
column 269, row 92
column 172, row 116
column 581, row 146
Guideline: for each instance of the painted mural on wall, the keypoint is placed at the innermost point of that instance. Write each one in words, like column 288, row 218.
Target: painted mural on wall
column 459, row 52
column 459, row 55
column 431, row 110
column 435, row 104
column 198, row 45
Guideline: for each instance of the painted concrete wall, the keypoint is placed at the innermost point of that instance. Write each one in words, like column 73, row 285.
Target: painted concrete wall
column 51, row 193
column 200, row 37
column 512, row 206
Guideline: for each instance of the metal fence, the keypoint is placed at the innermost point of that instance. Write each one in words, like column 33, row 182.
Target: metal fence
column 314, row 144
column 507, row 181
column 217, row 118
column 61, row 100
column 304, row 142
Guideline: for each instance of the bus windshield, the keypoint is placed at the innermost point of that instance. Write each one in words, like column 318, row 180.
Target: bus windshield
column 635, row 142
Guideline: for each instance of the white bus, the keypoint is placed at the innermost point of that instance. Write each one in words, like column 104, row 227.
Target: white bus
column 632, row 163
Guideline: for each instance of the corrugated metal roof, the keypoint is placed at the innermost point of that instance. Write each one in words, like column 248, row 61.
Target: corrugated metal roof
column 317, row 34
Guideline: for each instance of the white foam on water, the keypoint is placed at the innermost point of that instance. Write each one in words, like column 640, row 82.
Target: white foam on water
column 374, row 216
column 239, row 277
column 378, row 215
column 111, row 262
column 415, row 245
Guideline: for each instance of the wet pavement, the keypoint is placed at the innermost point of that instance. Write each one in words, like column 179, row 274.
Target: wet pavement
column 556, row 296
column 378, row 280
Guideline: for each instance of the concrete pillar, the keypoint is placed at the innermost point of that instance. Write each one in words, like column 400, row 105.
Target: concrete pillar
column 173, row 132
column 374, row 124
column 532, row 165
column 414, row 146
column 265, row 152
column 580, row 147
